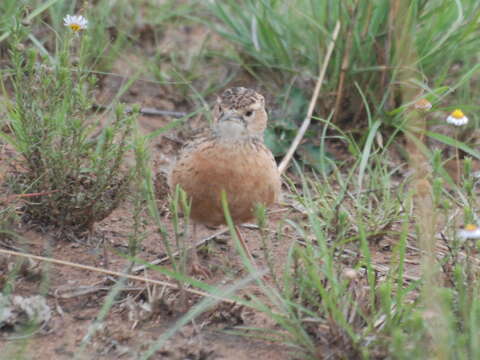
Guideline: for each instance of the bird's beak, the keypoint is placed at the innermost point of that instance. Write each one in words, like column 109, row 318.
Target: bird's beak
column 231, row 116
column 231, row 125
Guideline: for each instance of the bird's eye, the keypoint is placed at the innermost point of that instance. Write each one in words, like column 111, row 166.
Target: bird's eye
column 249, row 113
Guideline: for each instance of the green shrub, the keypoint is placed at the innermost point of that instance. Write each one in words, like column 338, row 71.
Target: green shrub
column 286, row 41
column 82, row 177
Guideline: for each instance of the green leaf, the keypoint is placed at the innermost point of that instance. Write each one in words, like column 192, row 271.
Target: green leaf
column 455, row 143
column 367, row 151
column 312, row 155
column 277, row 145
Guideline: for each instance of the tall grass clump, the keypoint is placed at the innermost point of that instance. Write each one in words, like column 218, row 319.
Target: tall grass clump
column 329, row 300
column 287, row 40
column 81, row 179
column 341, row 296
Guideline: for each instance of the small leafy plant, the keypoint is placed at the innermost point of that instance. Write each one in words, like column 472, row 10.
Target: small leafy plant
column 80, row 178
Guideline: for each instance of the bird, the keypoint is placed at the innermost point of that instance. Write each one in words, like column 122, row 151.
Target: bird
column 230, row 157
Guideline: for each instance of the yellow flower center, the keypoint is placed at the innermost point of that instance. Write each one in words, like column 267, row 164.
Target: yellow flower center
column 458, row 114
column 471, row 227
column 75, row 27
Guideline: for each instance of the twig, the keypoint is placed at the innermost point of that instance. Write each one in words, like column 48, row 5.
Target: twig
column 166, row 258
column 306, row 122
column 148, row 111
column 157, row 112
column 113, row 273
column 199, row 243
column 377, row 267
column 77, row 291
column 16, row 196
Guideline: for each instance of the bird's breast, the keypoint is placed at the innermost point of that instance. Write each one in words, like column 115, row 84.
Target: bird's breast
column 246, row 171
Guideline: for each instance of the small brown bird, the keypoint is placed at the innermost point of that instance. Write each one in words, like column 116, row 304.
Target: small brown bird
column 233, row 158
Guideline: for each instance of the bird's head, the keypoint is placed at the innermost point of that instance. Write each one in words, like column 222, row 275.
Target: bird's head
column 240, row 112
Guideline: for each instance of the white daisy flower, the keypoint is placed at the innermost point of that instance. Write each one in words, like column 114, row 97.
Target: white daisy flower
column 469, row 232
column 75, row 22
column 457, row 118
column 423, row 104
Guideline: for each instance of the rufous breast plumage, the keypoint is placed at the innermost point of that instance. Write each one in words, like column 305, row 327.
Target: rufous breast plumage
column 232, row 157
